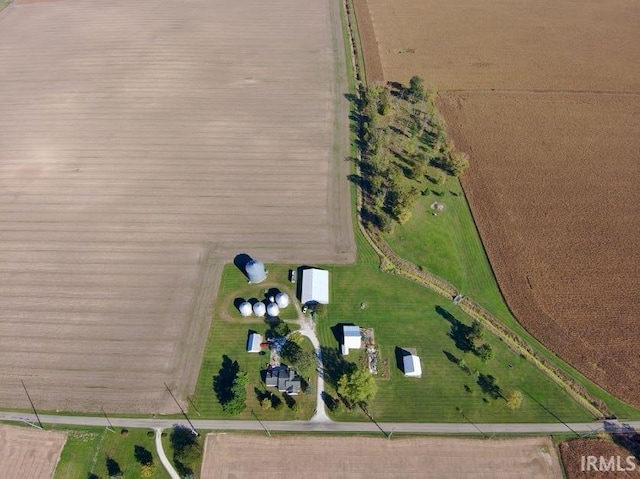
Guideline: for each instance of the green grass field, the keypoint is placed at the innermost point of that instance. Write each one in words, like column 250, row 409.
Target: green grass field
column 86, row 453
column 229, row 337
column 404, row 314
column 448, row 245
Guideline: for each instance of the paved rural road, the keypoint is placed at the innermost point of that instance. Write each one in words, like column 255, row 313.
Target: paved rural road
column 308, row 426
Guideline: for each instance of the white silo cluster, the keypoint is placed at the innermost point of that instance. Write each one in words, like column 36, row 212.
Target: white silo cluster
column 260, row 309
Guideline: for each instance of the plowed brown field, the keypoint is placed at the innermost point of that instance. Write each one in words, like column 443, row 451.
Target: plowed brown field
column 545, row 96
column 318, row 457
column 29, row 453
column 142, row 145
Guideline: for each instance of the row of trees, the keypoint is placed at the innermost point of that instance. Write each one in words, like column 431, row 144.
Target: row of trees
column 230, row 387
column 187, row 450
column 401, row 134
column 467, row 339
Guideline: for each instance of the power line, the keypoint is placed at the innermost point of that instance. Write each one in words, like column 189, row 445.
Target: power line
column 32, row 406
column 193, row 429
column 110, row 427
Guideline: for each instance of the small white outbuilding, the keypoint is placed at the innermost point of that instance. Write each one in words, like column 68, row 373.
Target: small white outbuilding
column 352, row 339
column 253, row 343
column 259, row 309
column 411, row 366
column 315, row 286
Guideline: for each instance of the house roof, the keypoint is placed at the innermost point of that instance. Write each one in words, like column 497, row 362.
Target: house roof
column 284, row 379
column 315, row 286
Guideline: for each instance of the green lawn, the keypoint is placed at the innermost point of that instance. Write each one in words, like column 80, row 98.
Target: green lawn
column 448, row 245
column 229, row 337
column 404, row 314
column 86, row 453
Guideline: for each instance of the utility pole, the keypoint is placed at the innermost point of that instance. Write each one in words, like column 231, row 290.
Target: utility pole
column 193, row 406
column 32, row 406
column 551, row 413
column 193, row 429
column 263, row 426
column 471, row 422
column 110, row 427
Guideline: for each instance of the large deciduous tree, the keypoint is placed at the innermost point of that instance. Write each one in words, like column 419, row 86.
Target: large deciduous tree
column 357, row 387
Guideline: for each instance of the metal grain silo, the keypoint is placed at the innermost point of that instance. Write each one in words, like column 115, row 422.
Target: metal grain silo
column 255, row 271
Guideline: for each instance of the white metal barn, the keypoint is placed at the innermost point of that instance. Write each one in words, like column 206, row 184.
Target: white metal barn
column 411, row 366
column 315, row 286
column 253, row 343
column 351, row 338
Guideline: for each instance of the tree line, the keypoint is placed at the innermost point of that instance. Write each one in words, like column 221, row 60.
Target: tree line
column 401, row 133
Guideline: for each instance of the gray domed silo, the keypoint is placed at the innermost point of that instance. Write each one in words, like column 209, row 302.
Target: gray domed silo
column 255, row 271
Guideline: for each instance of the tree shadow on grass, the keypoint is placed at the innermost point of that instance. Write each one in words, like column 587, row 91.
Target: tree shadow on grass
column 459, row 331
column 142, row 455
column 113, row 468
column 335, row 366
column 489, row 385
column 223, row 382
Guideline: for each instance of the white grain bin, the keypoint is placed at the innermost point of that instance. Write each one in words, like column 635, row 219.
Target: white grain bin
column 273, row 310
column 245, row 308
column 282, row 300
column 255, row 271
column 259, row 309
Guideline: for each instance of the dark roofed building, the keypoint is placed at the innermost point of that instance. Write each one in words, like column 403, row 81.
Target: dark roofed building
column 284, row 379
